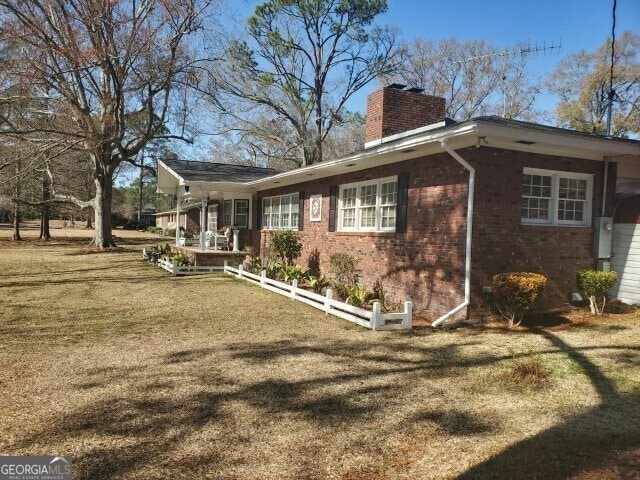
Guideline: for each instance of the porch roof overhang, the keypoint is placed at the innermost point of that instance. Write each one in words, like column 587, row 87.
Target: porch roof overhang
column 206, row 179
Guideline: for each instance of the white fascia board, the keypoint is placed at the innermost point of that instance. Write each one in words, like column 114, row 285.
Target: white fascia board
column 201, row 188
column 391, row 138
column 554, row 143
column 420, row 145
column 168, row 180
column 171, row 183
column 169, row 170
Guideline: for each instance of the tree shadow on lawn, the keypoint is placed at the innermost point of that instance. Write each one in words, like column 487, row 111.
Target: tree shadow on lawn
column 147, row 423
column 577, row 444
column 150, row 422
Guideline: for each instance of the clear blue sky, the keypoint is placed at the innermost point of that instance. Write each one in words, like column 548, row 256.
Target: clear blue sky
column 575, row 24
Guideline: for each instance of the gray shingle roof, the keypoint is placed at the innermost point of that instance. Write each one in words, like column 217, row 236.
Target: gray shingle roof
column 451, row 124
column 547, row 128
column 217, row 172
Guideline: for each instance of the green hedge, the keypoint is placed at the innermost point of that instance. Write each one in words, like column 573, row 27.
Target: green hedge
column 594, row 284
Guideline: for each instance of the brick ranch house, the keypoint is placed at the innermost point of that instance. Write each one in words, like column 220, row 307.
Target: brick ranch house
column 431, row 207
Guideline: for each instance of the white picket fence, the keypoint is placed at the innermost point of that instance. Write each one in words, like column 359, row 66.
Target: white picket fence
column 181, row 270
column 373, row 319
column 187, row 269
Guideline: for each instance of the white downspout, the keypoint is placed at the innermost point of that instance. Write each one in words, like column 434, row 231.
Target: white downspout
column 467, row 261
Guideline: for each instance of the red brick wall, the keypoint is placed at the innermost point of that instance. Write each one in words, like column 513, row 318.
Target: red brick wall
column 426, row 264
column 210, row 259
column 391, row 111
column 501, row 243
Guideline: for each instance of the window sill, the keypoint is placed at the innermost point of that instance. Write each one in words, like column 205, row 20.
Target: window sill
column 547, row 226
column 367, row 234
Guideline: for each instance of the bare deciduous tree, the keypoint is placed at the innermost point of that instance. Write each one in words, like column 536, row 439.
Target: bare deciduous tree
column 303, row 60
column 582, row 82
column 96, row 64
column 473, row 77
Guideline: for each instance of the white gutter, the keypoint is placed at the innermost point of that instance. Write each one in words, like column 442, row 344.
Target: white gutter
column 467, row 261
column 390, row 138
column 363, row 160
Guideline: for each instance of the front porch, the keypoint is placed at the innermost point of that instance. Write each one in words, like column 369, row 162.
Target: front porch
column 222, row 204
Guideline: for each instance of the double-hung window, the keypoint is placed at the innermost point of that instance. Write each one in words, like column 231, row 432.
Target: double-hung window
column 556, row 198
column 281, row 212
column 241, row 213
column 235, row 213
column 368, row 206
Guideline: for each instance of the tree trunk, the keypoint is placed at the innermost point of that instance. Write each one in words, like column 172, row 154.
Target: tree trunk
column 592, row 305
column 140, row 182
column 317, row 147
column 89, row 224
column 16, row 205
column 45, row 234
column 103, row 237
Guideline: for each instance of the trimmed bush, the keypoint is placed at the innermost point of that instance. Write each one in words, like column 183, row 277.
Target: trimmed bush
column 515, row 292
column 344, row 268
column 344, row 274
column 594, row 285
column 286, row 245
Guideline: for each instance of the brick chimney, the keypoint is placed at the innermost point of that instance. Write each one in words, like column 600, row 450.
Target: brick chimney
column 393, row 110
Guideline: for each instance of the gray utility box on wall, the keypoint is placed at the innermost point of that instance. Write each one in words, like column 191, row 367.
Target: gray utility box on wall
column 602, row 234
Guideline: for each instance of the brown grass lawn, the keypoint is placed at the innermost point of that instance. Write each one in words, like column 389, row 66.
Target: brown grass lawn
column 140, row 375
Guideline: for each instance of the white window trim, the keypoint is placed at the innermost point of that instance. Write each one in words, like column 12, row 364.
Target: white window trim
column 553, row 202
column 271, row 198
column 357, row 186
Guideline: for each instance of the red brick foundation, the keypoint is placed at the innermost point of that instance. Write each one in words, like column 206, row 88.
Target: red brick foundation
column 210, row 258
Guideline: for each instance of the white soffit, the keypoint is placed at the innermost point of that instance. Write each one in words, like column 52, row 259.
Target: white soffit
column 553, row 143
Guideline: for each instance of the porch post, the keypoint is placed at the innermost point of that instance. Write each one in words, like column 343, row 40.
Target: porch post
column 236, row 239
column 177, row 217
column 203, row 213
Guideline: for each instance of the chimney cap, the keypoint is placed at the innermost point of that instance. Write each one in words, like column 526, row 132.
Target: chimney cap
column 397, row 86
column 415, row 90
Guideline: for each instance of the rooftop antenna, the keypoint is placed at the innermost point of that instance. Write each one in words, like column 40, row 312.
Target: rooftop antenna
column 612, row 92
column 524, row 50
